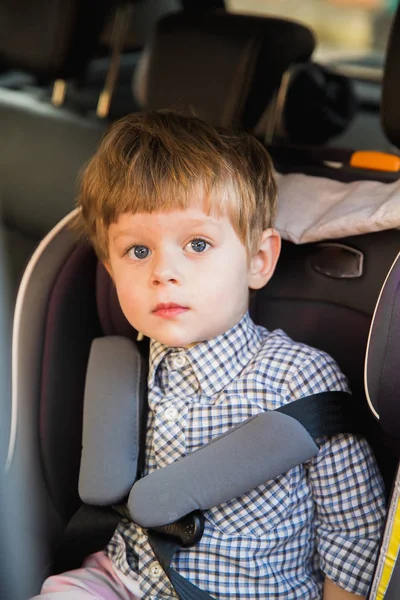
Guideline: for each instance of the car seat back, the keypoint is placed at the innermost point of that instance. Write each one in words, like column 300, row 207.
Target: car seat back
column 43, row 149
column 67, row 299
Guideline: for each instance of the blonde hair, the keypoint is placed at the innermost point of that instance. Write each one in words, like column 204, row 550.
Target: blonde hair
column 161, row 160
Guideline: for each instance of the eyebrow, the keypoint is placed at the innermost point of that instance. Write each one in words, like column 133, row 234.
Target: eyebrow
column 209, row 221
column 203, row 222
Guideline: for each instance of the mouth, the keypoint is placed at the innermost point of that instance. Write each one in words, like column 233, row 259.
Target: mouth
column 169, row 310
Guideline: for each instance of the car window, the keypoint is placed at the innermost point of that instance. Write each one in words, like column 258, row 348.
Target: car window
column 355, row 31
column 351, row 39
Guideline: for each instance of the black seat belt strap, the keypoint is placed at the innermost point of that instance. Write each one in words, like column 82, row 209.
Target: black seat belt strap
column 164, row 549
column 326, row 413
column 88, row 531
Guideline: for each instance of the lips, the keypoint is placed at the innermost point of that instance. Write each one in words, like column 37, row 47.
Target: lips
column 169, row 310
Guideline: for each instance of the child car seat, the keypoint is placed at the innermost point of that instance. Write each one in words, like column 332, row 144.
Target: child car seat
column 52, row 428
column 66, row 300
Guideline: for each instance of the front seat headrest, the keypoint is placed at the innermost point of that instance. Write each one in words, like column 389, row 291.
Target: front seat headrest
column 50, row 39
column 223, row 67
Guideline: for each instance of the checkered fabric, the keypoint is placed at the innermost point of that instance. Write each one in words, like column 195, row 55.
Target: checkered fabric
column 278, row 541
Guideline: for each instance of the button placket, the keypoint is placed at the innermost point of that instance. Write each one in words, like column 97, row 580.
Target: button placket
column 155, row 571
column 169, row 431
column 171, row 414
column 178, row 361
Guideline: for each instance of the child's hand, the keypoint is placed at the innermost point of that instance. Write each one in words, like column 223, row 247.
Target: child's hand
column 334, row 592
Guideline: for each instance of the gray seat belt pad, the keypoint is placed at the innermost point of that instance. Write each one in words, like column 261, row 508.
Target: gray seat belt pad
column 255, row 451
column 111, row 421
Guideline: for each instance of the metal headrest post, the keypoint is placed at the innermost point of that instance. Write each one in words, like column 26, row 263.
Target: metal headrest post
column 120, row 30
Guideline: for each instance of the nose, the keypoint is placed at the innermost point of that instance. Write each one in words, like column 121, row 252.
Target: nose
column 164, row 271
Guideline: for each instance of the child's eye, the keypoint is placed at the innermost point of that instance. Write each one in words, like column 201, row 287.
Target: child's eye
column 139, row 252
column 198, row 245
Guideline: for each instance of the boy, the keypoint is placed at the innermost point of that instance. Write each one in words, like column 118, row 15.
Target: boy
column 181, row 215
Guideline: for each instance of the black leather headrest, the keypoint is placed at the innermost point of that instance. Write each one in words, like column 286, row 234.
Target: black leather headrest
column 50, row 38
column 390, row 106
column 319, row 105
column 223, row 67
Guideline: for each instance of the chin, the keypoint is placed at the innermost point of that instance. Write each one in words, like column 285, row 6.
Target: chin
column 174, row 342
column 173, row 339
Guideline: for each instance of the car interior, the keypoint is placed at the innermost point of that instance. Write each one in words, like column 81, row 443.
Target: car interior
column 334, row 137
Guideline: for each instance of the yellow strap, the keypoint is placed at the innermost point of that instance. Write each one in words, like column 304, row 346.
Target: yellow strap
column 391, row 554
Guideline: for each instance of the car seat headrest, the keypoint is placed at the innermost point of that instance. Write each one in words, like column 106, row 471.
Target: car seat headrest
column 319, row 104
column 58, row 42
column 223, row 67
column 382, row 372
column 390, row 113
column 111, row 317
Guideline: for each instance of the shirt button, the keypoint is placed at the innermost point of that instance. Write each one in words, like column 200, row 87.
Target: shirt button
column 178, row 362
column 171, row 413
column 155, row 571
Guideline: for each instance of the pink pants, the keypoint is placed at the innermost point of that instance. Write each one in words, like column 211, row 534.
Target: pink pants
column 95, row 579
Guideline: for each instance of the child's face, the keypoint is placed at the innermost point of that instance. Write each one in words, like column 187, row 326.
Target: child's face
column 182, row 277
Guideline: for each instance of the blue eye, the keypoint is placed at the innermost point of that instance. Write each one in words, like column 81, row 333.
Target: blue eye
column 198, row 245
column 140, row 252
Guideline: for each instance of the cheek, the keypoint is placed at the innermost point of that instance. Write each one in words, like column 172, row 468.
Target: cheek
column 129, row 294
column 229, row 280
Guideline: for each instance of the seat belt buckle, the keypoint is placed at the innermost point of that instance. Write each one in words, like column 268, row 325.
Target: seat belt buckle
column 188, row 530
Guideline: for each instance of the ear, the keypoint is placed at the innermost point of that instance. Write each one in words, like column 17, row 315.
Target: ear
column 263, row 262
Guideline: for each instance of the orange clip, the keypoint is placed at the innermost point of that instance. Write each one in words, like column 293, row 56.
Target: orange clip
column 376, row 161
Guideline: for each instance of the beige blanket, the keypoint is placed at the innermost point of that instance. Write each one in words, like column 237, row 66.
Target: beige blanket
column 315, row 208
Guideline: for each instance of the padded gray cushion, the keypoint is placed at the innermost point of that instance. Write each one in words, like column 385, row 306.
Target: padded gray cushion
column 257, row 450
column 110, row 421
column 246, row 456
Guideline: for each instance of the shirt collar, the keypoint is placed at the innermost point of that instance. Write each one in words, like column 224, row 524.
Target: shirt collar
column 215, row 362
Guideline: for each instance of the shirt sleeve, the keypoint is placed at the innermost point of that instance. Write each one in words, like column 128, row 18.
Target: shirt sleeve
column 349, row 510
column 347, row 489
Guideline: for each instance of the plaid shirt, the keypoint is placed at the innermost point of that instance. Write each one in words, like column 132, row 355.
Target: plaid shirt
column 278, row 541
